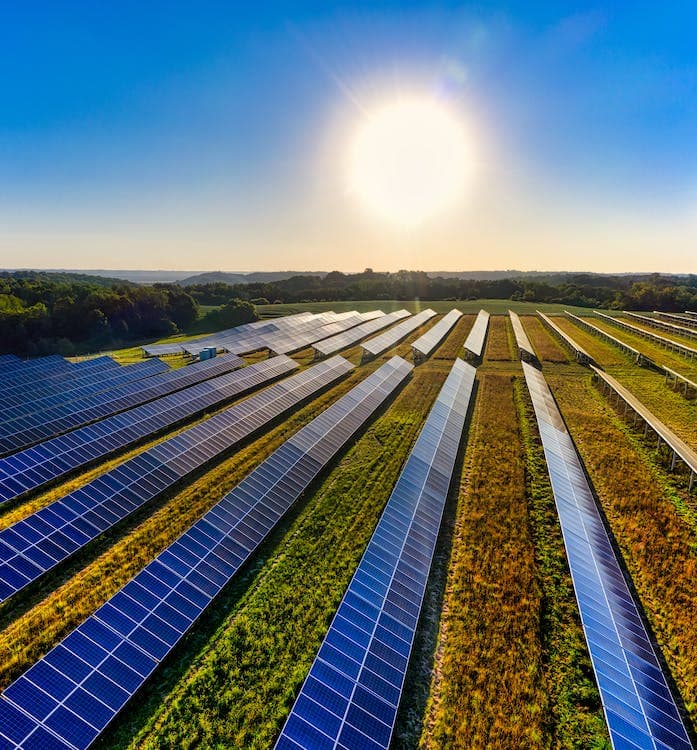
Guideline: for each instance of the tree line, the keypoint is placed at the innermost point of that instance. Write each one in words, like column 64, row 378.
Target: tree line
column 635, row 292
column 42, row 313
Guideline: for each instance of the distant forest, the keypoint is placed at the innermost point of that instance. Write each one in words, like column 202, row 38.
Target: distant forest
column 42, row 312
column 635, row 292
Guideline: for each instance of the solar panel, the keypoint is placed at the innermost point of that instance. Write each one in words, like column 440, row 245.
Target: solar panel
column 35, row 428
column 162, row 350
column 639, row 707
column 254, row 337
column 286, row 343
column 35, row 467
column 664, row 341
column 684, row 320
column 72, row 693
column 9, row 362
column 662, row 325
column 635, row 354
column 36, row 544
column 580, row 354
column 74, row 388
column 679, row 448
column 474, row 343
column 33, row 370
column 350, row 697
column 379, row 344
column 353, row 336
column 424, row 345
column 525, row 350
column 50, row 380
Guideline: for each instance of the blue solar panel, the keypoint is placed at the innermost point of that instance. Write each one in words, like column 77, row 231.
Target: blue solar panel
column 351, row 695
column 354, row 335
column 81, row 684
column 384, row 341
column 33, row 428
column 71, row 388
column 34, row 467
column 525, row 350
column 41, row 541
column 639, row 708
column 424, row 345
column 34, row 370
column 474, row 343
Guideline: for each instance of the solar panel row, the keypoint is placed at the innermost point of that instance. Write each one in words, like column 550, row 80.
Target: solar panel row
column 292, row 342
column 34, row 428
column 662, row 325
column 263, row 336
column 69, row 696
column 238, row 331
column 639, row 708
column 525, row 350
column 664, row 341
column 36, row 544
column 22, row 392
column 82, row 371
column 424, row 345
column 35, row 467
column 9, row 362
column 684, row 320
column 349, row 699
column 379, row 344
column 679, row 448
column 73, row 389
column 474, row 343
column 635, row 354
column 580, row 354
column 354, row 335
column 33, row 370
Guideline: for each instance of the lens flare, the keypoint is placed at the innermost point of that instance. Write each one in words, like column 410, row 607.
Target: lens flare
column 409, row 161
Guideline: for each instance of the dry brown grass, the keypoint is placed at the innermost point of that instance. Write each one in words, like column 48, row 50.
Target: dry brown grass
column 546, row 346
column 658, row 545
column 498, row 346
column 489, row 688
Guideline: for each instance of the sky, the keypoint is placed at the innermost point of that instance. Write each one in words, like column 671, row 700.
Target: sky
column 214, row 135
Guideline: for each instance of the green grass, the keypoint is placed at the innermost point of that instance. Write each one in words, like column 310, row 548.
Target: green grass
column 576, row 718
column 656, row 539
column 235, row 688
column 494, row 306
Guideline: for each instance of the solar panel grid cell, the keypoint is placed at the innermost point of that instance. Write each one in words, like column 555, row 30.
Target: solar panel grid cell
column 104, row 661
column 525, row 349
column 379, row 344
column 425, row 345
column 348, row 338
column 82, row 372
column 75, row 388
column 33, row 428
column 637, row 701
column 34, row 370
column 87, row 512
column 474, row 343
column 352, row 692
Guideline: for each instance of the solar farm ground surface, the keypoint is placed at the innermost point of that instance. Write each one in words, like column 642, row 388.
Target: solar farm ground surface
column 499, row 659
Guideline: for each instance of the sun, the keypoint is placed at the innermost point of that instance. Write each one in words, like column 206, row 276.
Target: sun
column 409, row 160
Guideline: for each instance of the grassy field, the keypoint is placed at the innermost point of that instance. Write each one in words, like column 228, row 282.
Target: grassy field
column 500, row 660
column 494, row 306
column 644, row 510
column 511, row 668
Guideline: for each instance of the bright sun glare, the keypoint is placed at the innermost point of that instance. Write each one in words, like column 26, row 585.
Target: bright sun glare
column 409, row 160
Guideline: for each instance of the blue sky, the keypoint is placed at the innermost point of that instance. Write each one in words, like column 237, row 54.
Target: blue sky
column 213, row 135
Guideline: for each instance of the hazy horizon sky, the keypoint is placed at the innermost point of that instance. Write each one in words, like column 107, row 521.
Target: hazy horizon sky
column 214, row 135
